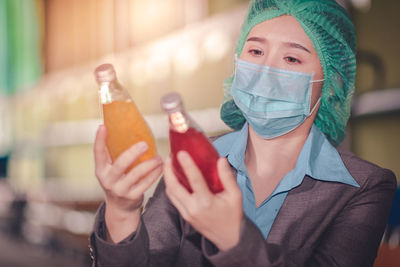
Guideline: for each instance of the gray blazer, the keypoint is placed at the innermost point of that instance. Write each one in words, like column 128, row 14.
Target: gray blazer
column 320, row 224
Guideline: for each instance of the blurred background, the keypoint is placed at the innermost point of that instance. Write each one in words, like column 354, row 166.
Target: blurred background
column 49, row 109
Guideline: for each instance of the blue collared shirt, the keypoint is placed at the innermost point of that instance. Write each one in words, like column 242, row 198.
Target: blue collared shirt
column 318, row 159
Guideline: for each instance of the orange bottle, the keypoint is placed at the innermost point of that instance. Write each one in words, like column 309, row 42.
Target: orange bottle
column 124, row 122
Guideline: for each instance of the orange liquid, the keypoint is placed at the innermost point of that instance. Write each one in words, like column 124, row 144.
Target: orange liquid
column 125, row 127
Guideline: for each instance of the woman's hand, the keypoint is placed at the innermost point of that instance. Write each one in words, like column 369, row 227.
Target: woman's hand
column 216, row 216
column 123, row 192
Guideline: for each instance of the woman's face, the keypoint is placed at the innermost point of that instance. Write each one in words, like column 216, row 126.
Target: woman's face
column 282, row 43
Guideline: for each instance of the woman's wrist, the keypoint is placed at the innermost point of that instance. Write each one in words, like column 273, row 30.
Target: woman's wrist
column 228, row 238
column 121, row 223
column 227, row 243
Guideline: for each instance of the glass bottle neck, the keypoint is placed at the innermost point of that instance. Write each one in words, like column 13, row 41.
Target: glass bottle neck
column 111, row 91
column 105, row 94
column 179, row 121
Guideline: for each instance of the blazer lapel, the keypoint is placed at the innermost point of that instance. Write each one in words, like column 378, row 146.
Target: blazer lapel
column 292, row 215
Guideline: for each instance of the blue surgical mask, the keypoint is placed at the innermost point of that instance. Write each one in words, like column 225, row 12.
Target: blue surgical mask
column 273, row 101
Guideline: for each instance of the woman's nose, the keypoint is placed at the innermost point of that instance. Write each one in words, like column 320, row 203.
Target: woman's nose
column 271, row 59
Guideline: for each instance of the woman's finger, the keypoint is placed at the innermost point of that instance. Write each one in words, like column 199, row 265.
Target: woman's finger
column 100, row 150
column 177, row 194
column 109, row 160
column 138, row 172
column 126, row 159
column 173, row 186
column 179, row 205
column 192, row 172
column 146, row 182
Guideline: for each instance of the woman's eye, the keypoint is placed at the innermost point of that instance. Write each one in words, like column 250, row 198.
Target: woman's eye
column 292, row 60
column 256, row 52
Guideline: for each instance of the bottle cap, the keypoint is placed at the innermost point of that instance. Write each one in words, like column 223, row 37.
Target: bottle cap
column 171, row 102
column 104, row 73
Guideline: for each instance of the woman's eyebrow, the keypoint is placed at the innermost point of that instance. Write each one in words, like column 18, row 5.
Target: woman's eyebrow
column 296, row 45
column 287, row 44
column 256, row 39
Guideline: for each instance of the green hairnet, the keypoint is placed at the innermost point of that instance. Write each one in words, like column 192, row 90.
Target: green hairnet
column 332, row 33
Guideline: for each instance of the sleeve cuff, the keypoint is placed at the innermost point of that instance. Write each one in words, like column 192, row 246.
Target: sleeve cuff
column 109, row 254
column 251, row 249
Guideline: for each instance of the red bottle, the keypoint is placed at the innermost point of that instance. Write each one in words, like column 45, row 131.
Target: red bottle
column 185, row 135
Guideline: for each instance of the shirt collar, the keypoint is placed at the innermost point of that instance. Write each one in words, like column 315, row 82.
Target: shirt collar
column 318, row 159
column 324, row 161
column 233, row 146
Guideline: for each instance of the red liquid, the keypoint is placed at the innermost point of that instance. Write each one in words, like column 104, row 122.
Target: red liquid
column 201, row 151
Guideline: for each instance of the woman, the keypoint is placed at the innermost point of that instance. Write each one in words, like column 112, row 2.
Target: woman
column 290, row 198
